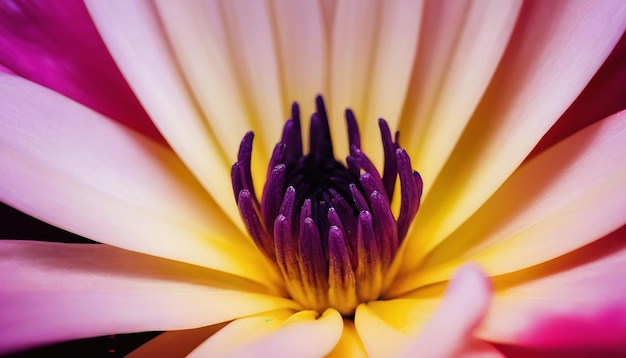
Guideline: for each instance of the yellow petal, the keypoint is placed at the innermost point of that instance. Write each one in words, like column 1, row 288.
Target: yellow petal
column 385, row 326
column 566, row 197
column 349, row 344
column 536, row 82
column 276, row 334
column 381, row 327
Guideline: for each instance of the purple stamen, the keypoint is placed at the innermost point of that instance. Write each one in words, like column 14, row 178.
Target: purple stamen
column 245, row 158
column 390, row 169
column 354, row 137
column 328, row 227
column 272, row 195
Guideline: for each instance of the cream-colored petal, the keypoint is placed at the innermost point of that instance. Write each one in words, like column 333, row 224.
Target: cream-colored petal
column 302, row 47
column 73, row 168
column 372, row 52
column 461, row 44
column 133, row 33
column 276, row 334
column 55, row 292
column 245, row 66
column 554, row 51
column 393, row 59
column 566, row 197
column 255, row 56
column 202, row 47
column 237, row 60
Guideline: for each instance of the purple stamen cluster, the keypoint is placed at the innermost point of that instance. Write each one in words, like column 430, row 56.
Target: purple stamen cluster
column 328, row 227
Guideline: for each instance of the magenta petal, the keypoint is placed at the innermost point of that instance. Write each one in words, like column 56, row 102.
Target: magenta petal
column 576, row 303
column 56, row 44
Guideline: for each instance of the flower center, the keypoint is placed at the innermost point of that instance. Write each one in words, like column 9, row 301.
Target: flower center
column 328, row 227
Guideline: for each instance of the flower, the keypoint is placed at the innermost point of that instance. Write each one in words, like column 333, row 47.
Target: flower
column 486, row 95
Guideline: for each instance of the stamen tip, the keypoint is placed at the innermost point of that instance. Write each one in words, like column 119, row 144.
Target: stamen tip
column 243, row 195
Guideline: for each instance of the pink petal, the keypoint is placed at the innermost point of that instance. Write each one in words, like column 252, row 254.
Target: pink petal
column 512, row 351
column 605, row 94
column 58, row 46
column 54, row 292
column 575, row 303
column 71, row 167
column 555, row 49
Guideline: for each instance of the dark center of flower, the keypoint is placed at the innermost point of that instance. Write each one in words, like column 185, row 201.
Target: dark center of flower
column 328, row 227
